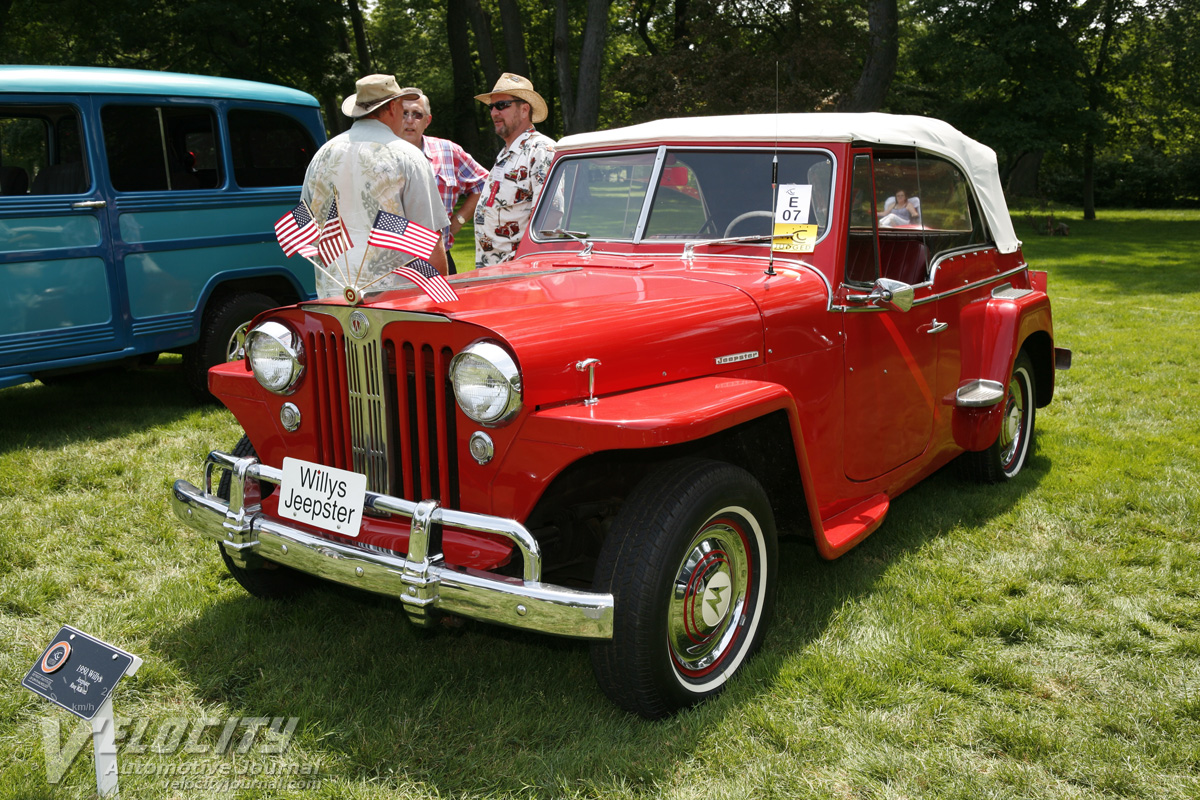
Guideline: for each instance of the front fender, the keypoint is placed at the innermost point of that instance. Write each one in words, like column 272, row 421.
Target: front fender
column 655, row 417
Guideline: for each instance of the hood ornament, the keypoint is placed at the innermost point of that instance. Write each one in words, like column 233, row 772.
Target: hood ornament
column 589, row 365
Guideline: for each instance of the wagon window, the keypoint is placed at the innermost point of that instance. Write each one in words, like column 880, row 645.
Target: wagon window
column 153, row 148
column 268, row 148
column 41, row 151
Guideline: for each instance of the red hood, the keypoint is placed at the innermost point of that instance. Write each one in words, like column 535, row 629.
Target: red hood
column 647, row 324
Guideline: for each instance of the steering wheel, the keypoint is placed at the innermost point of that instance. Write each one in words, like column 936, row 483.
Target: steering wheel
column 744, row 217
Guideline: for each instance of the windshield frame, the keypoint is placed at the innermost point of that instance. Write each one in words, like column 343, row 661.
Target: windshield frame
column 661, row 152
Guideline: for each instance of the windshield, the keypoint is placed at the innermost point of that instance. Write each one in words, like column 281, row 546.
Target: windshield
column 698, row 194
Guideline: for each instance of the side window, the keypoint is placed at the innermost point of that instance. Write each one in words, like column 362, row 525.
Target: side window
column 153, row 148
column 862, row 265
column 41, row 151
column 268, row 148
column 925, row 207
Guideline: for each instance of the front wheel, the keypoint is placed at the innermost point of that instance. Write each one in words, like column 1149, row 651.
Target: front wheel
column 690, row 561
column 1007, row 455
column 265, row 579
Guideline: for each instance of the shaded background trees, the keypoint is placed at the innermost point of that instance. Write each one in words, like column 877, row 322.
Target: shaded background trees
column 1094, row 102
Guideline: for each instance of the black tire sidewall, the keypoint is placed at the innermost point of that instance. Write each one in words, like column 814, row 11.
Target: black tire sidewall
column 639, row 563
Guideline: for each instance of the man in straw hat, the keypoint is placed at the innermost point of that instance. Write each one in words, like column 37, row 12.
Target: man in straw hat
column 367, row 169
column 515, row 182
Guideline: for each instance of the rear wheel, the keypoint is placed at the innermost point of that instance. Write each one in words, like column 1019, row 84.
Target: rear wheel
column 1006, row 456
column 690, row 561
column 218, row 329
column 267, row 580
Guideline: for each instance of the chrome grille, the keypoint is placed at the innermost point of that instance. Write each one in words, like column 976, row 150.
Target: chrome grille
column 384, row 405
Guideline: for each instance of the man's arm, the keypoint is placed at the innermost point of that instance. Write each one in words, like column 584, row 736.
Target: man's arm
column 438, row 258
column 466, row 211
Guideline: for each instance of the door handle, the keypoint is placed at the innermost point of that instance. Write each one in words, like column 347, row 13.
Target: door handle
column 90, row 204
column 935, row 327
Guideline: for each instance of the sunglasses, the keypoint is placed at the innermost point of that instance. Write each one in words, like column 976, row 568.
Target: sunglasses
column 500, row 105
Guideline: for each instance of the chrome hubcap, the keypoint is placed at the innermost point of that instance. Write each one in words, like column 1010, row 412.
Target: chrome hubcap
column 708, row 598
column 1012, row 431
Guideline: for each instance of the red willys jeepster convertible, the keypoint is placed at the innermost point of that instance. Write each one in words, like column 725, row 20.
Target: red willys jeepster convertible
column 713, row 325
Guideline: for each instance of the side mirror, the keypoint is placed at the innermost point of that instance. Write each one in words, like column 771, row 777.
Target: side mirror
column 891, row 294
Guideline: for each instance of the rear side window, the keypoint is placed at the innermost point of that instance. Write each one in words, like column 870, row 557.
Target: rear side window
column 154, row 148
column 41, row 151
column 268, row 148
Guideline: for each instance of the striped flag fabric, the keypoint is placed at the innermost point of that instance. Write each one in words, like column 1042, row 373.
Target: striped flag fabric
column 335, row 239
column 394, row 232
column 295, row 230
column 426, row 276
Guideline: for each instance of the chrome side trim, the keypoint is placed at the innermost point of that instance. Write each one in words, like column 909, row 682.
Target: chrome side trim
column 420, row 579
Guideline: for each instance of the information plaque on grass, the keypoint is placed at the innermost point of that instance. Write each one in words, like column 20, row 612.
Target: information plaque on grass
column 77, row 672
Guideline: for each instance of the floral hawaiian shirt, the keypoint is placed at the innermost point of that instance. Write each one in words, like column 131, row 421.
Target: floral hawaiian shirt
column 509, row 196
column 369, row 168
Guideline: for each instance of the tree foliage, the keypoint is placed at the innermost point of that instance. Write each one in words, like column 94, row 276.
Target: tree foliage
column 1073, row 83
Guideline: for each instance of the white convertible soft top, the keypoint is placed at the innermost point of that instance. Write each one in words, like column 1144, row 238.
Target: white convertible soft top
column 977, row 160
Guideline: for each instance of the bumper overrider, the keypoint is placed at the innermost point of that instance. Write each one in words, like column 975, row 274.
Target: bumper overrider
column 420, row 579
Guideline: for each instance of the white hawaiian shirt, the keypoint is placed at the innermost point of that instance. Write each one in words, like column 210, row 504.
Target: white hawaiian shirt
column 370, row 169
column 509, row 196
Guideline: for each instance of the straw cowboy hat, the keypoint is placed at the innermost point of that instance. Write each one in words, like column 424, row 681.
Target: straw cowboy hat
column 520, row 88
column 373, row 91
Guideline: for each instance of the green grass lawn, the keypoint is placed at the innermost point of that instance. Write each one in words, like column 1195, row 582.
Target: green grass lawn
column 1035, row 640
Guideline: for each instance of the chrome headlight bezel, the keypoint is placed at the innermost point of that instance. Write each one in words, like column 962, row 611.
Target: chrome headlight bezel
column 502, row 382
column 276, row 356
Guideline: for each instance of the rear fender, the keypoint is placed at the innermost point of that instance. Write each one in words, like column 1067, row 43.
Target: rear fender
column 994, row 331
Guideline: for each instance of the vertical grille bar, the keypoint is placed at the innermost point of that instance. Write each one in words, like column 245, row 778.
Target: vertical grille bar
column 439, row 393
column 421, row 355
column 404, row 412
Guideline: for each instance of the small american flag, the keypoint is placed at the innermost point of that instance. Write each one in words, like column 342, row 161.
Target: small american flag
column 295, row 230
column 335, row 239
column 425, row 275
column 397, row 233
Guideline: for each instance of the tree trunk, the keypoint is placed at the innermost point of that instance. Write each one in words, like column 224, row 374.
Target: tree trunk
column 483, row 42
column 514, row 38
column 583, row 112
column 562, row 65
column 1095, row 101
column 880, row 65
column 1089, row 179
column 462, row 109
column 360, row 38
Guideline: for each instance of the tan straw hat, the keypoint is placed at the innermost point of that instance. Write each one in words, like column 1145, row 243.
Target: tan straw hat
column 372, row 92
column 520, row 88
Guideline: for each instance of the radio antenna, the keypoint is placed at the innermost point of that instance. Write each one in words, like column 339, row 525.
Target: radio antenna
column 774, row 178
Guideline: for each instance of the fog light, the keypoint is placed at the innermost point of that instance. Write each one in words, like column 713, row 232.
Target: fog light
column 289, row 417
column 481, row 447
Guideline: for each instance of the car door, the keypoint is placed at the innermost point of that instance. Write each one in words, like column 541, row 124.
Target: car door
column 57, row 298
column 891, row 356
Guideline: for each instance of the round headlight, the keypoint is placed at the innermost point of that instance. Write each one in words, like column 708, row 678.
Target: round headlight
column 276, row 356
column 487, row 383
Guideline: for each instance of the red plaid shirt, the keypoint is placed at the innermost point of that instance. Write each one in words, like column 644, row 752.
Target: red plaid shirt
column 456, row 172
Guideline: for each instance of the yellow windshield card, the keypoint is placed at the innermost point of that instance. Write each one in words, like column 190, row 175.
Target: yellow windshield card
column 792, row 233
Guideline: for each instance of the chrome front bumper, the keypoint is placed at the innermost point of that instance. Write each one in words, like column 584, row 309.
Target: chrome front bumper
column 420, row 580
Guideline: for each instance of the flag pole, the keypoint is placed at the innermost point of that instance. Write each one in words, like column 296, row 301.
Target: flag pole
column 384, row 275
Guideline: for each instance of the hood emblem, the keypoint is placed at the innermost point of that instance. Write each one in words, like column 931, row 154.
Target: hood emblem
column 358, row 324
